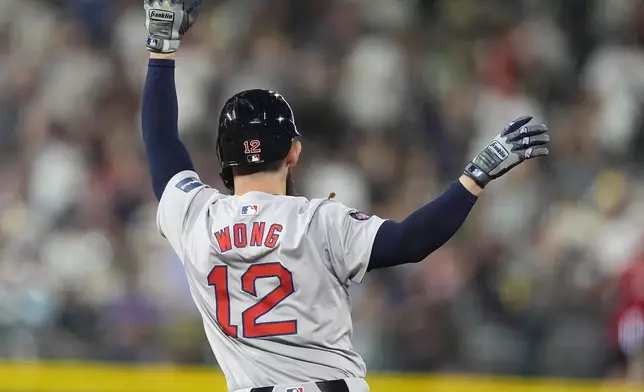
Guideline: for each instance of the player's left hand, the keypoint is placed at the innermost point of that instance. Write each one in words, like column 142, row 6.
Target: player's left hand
column 518, row 142
column 167, row 21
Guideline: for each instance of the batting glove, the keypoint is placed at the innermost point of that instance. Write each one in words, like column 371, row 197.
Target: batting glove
column 514, row 145
column 167, row 21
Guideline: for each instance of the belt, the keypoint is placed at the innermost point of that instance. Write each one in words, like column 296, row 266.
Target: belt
column 324, row 386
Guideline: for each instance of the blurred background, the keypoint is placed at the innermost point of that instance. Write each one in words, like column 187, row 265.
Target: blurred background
column 393, row 97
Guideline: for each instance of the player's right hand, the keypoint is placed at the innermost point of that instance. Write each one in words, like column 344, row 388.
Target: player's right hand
column 167, row 21
column 518, row 142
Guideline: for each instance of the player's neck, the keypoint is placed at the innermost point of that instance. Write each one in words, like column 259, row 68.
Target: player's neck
column 267, row 183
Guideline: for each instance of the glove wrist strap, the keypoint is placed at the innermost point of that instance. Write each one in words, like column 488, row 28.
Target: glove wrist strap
column 474, row 172
column 162, row 45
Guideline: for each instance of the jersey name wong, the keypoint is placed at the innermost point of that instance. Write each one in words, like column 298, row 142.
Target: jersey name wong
column 241, row 235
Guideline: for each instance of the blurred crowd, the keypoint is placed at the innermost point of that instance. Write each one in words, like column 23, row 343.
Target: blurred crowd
column 393, row 98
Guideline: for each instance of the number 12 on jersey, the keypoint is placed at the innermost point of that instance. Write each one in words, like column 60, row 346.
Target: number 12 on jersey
column 218, row 278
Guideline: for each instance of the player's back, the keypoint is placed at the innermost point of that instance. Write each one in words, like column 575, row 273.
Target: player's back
column 269, row 276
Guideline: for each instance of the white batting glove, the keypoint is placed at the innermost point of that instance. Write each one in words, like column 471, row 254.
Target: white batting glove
column 167, row 21
column 518, row 142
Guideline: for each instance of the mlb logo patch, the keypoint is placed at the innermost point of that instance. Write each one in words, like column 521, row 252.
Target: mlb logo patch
column 253, row 158
column 298, row 389
column 188, row 184
column 153, row 42
column 250, row 209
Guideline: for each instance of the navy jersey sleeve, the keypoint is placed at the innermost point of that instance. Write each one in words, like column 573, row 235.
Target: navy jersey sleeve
column 166, row 153
column 422, row 232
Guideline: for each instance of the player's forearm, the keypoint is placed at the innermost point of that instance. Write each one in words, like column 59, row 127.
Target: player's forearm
column 425, row 230
column 166, row 154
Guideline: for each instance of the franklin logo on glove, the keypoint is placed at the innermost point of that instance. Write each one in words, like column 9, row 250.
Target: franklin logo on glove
column 163, row 16
column 499, row 151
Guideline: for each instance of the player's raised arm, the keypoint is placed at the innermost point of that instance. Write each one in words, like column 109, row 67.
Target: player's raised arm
column 429, row 227
column 166, row 23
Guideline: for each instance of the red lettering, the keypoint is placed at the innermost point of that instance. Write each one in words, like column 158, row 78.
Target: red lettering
column 257, row 234
column 223, row 239
column 240, row 235
column 273, row 235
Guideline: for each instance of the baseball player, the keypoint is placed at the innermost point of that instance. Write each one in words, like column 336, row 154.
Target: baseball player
column 269, row 272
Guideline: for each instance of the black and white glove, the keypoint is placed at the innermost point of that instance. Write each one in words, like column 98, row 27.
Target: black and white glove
column 167, row 21
column 515, row 144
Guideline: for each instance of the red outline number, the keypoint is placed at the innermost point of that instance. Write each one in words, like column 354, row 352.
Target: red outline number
column 252, row 147
column 218, row 277
column 253, row 329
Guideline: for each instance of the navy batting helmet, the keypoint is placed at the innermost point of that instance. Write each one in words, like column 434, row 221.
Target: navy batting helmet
column 255, row 127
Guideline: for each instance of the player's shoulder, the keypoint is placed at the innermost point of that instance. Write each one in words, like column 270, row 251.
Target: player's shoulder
column 182, row 202
column 331, row 210
column 303, row 205
column 185, row 193
column 305, row 208
column 316, row 203
column 329, row 204
column 185, row 182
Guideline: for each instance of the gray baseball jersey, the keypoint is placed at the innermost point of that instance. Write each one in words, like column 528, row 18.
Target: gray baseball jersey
column 270, row 276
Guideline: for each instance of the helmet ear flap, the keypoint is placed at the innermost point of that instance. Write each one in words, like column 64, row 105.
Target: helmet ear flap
column 227, row 178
